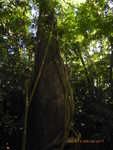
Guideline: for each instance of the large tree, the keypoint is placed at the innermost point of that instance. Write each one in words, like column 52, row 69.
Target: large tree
column 50, row 109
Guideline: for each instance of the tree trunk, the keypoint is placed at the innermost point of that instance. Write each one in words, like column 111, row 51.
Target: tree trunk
column 111, row 68
column 89, row 80
column 47, row 124
column 111, row 74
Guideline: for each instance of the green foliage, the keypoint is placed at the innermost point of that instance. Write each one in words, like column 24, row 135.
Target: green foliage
column 86, row 31
column 85, row 35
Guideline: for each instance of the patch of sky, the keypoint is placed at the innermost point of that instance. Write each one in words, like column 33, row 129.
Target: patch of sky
column 33, row 29
column 34, row 16
column 109, row 5
column 11, row 50
column 21, row 43
column 34, row 12
column 5, row 37
column 75, row 11
column 94, row 47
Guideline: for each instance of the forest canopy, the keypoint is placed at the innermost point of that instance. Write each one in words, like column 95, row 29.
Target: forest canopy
column 85, row 35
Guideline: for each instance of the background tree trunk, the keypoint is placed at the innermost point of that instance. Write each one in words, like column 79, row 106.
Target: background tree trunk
column 111, row 68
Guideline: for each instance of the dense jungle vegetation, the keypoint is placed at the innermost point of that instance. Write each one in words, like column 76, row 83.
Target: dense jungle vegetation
column 85, row 35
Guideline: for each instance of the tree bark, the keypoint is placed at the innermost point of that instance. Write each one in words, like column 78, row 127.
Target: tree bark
column 111, row 69
column 111, row 74
column 46, row 118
